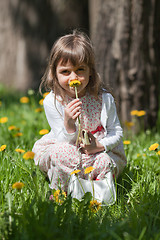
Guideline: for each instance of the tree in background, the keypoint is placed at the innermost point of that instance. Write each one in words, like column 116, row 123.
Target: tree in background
column 28, row 30
column 126, row 36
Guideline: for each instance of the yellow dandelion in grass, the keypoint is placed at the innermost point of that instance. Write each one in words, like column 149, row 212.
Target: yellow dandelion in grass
column 88, row 170
column 41, row 101
column 75, row 172
column 19, row 150
column 43, row 131
column 75, row 83
column 153, row 147
column 18, row 134
column 95, row 206
column 126, row 142
column 2, row 148
column 18, row 185
column 28, row 155
column 141, row 113
column 3, row 119
column 38, row 109
column 12, row 127
column 24, row 100
column 59, row 196
column 45, row 94
column 128, row 124
column 158, row 153
column 134, row 112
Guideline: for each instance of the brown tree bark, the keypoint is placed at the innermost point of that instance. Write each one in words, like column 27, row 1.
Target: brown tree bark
column 126, row 36
column 28, row 29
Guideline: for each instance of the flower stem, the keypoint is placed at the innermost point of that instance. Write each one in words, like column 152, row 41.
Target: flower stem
column 79, row 122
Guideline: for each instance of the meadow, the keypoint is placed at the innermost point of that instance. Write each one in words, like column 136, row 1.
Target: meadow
column 26, row 210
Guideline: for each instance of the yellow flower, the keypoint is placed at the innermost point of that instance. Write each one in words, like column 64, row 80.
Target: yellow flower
column 134, row 112
column 75, row 171
column 41, row 101
column 74, row 83
column 24, row 99
column 19, row 150
column 19, row 134
column 94, row 206
column 3, row 119
column 59, row 196
column 153, row 147
column 88, row 170
column 43, row 131
column 129, row 124
column 158, row 153
column 141, row 113
column 12, row 127
column 38, row 109
column 45, row 94
column 2, row 148
column 138, row 154
column 18, row 185
column 28, row 155
column 126, row 142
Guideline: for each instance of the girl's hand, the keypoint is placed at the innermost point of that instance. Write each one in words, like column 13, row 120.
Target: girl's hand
column 71, row 112
column 94, row 147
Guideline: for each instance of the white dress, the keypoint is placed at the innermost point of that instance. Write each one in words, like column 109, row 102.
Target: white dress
column 56, row 152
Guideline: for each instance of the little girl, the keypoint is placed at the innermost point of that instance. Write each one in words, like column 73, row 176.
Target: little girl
column 56, row 153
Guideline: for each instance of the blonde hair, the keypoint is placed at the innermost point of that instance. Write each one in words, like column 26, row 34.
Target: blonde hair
column 77, row 49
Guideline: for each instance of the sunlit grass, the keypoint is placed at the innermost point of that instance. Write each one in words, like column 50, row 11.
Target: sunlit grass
column 30, row 213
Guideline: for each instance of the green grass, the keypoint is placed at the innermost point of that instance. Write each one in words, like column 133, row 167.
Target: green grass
column 29, row 214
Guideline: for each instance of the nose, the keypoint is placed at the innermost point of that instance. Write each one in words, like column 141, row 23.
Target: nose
column 73, row 75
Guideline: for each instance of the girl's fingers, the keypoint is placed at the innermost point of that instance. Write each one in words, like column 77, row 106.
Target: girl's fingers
column 74, row 102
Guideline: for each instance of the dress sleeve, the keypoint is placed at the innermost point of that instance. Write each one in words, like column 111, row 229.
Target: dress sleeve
column 54, row 111
column 110, row 122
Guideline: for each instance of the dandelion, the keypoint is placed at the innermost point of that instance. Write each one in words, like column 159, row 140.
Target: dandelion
column 38, row 109
column 12, row 127
column 88, row 170
column 45, row 94
column 134, row 112
column 28, row 155
column 24, row 100
column 18, row 185
column 75, row 172
column 43, row 131
column 2, row 148
column 19, row 134
column 153, row 147
column 41, row 101
column 19, row 150
column 59, row 196
column 75, row 83
column 126, row 142
column 94, row 206
column 129, row 124
column 158, row 153
column 3, row 119
column 141, row 113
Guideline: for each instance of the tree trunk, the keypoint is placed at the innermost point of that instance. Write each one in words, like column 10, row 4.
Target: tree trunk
column 28, row 30
column 126, row 36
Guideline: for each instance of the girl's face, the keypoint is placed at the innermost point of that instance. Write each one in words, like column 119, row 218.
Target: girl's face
column 67, row 72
